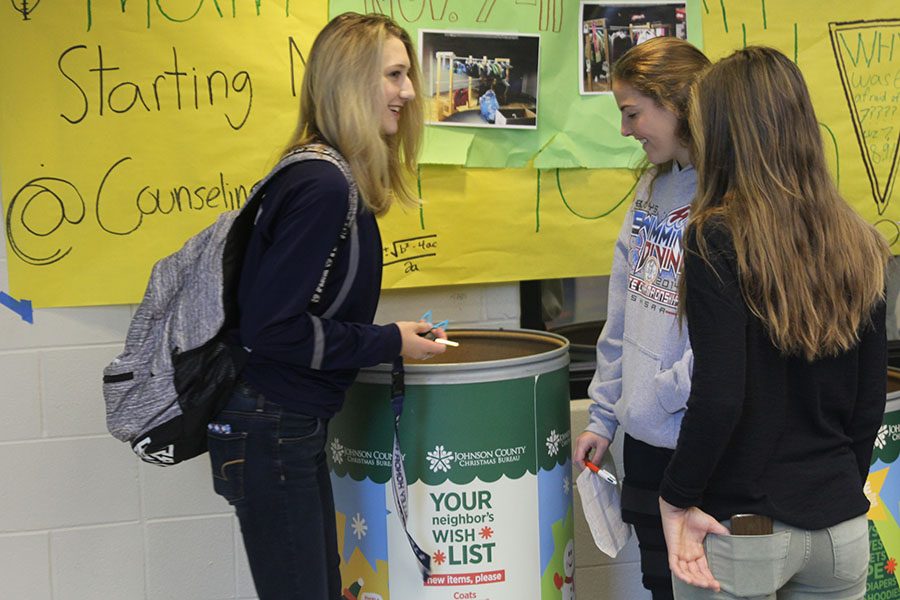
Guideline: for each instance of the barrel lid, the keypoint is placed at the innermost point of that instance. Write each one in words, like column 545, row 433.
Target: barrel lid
column 483, row 355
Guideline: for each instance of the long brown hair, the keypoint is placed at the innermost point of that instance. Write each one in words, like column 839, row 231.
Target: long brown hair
column 809, row 267
column 663, row 69
column 338, row 106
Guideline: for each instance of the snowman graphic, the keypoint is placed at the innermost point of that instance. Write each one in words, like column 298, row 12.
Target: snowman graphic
column 566, row 583
column 352, row 592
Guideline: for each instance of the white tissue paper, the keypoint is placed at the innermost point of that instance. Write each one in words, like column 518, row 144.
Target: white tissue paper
column 602, row 507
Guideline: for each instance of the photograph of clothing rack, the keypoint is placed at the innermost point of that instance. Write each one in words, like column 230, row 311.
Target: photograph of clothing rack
column 608, row 30
column 465, row 75
column 476, row 79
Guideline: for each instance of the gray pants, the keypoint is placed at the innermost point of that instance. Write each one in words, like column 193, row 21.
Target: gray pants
column 790, row 564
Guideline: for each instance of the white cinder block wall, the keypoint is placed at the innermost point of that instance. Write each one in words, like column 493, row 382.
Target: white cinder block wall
column 82, row 519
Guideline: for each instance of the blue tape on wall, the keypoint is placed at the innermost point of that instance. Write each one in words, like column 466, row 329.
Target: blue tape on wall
column 20, row 307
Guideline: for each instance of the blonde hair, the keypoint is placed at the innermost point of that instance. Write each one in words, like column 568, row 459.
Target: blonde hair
column 809, row 267
column 340, row 100
column 663, row 69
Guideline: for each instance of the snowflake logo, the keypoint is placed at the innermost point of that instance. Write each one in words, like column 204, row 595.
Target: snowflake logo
column 359, row 526
column 881, row 438
column 486, row 533
column 439, row 459
column 439, row 557
column 567, row 485
column 890, row 566
column 337, row 451
column 553, row 443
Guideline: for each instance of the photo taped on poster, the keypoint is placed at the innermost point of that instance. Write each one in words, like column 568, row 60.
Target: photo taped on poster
column 609, row 29
column 480, row 79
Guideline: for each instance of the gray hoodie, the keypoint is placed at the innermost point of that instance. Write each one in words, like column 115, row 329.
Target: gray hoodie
column 644, row 358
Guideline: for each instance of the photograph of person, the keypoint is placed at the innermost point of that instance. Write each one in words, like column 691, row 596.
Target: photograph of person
column 609, row 29
column 475, row 79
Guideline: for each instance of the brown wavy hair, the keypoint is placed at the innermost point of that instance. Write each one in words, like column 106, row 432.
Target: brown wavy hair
column 663, row 69
column 810, row 268
column 339, row 101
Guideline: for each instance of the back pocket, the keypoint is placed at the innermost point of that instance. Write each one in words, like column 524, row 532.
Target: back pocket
column 850, row 544
column 748, row 565
column 227, row 456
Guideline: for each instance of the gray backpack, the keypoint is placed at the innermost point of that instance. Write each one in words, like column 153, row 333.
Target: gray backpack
column 177, row 370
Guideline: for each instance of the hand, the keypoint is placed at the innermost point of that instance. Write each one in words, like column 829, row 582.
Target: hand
column 416, row 347
column 589, row 443
column 685, row 530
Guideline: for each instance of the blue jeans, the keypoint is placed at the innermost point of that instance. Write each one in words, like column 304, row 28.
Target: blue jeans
column 789, row 564
column 270, row 465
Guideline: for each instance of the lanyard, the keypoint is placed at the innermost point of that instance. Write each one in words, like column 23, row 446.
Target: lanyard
column 398, row 475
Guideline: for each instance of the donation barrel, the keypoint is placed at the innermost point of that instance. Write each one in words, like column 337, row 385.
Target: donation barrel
column 486, row 445
column 582, row 354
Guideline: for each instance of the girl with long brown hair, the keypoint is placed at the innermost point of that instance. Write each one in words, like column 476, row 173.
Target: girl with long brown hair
column 783, row 290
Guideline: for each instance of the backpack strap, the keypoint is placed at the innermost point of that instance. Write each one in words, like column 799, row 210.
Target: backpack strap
column 323, row 152
column 348, row 230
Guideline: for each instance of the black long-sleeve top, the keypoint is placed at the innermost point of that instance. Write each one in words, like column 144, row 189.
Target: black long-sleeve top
column 767, row 433
column 298, row 360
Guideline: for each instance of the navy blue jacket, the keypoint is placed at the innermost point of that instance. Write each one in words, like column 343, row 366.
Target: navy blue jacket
column 302, row 213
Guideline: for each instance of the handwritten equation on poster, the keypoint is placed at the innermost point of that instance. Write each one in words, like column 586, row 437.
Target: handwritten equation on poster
column 410, row 252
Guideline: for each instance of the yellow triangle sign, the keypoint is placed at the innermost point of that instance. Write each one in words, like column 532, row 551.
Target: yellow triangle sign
column 868, row 59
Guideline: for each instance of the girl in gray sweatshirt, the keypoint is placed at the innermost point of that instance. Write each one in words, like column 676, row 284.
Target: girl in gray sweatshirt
column 644, row 359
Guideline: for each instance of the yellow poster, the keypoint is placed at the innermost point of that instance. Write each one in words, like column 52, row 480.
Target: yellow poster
column 127, row 126
column 849, row 53
column 478, row 225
